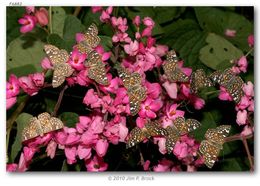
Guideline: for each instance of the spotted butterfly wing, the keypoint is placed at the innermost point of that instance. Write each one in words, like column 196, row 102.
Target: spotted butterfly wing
column 136, row 93
column 96, row 69
column 90, row 41
column 232, row 83
column 199, row 80
column 137, row 135
column 171, row 69
column 58, row 59
column 180, row 127
column 41, row 125
column 211, row 146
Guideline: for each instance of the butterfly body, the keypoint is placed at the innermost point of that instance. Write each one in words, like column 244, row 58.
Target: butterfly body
column 151, row 129
column 232, row 83
column 40, row 125
column 179, row 128
column 58, row 58
column 171, row 69
column 199, row 80
column 213, row 143
column 136, row 93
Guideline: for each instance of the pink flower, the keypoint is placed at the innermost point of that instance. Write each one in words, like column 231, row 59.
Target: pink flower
column 173, row 113
column 161, row 50
column 11, row 167
column 37, row 78
column 146, row 165
column 153, row 89
column 224, row 95
column 22, row 165
column 250, row 40
column 10, row 102
column 28, row 23
column 96, row 164
column 241, row 117
column 163, row 166
column 70, row 153
column 89, row 138
column 137, row 21
column 91, row 98
column 101, row 147
column 161, row 143
column 121, row 37
column 230, row 33
column 46, row 64
column 30, row 9
column 42, row 16
column 148, row 22
column 97, row 125
column 12, row 87
column 147, row 32
column 140, row 122
column 82, row 78
column 84, row 152
column 96, row 9
column 77, row 60
column 113, row 86
column 171, row 89
column 132, row 48
column 51, row 149
column 244, row 103
column 251, row 106
column 191, row 168
column 149, row 107
column 83, row 124
column 247, row 130
column 105, row 15
column 28, row 153
column 180, row 150
column 120, row 23
column 197, row 102
column 28, row 85
column 185, row 70
column 248, row 89
column 79, row 37
column 242, row 64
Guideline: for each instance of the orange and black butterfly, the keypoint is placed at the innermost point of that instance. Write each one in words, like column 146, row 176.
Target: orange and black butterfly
column 151, row 129
column 58, row 58
column 179, row 128
column 171, row 69
column 199, row 80
column 232, row 83
column 90, row 41
column 136, row 93
column 211, row 146
column 40, row 125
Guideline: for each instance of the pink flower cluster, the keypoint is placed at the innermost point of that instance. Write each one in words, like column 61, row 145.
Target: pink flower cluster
column 32, row 17
column 30, row 84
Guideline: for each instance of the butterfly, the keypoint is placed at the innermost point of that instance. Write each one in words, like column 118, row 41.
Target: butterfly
column 199, row 80
column 151, row 129
column 210, row 148
column 171, row 69
column 232, row 83
column 179, row 128
column 136, row 93
column 40, row 125
column 58, row 59
column 96, row 69
column 90, row 41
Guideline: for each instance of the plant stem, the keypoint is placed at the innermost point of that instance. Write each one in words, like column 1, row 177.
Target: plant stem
column 97, row 89
column 249, row 52
column 57, row 106
column 12, row 119
column 237, row 137
column 77, row 10
column 50, row 20
column 248, row 154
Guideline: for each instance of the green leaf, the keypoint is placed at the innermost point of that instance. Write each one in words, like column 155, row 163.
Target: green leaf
column 22, row 122
column 24, row 55
column 106, row 42
column 208, row 121
column 166, row 14
column 64, row 166
column 90, row 18
column 12, row 25
column 231, row 164
column 217, row 51
column 55, row 39
column 72, row 26
column 224, row 20
column 58, row 19
column 69, row 118
column 50, row 103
